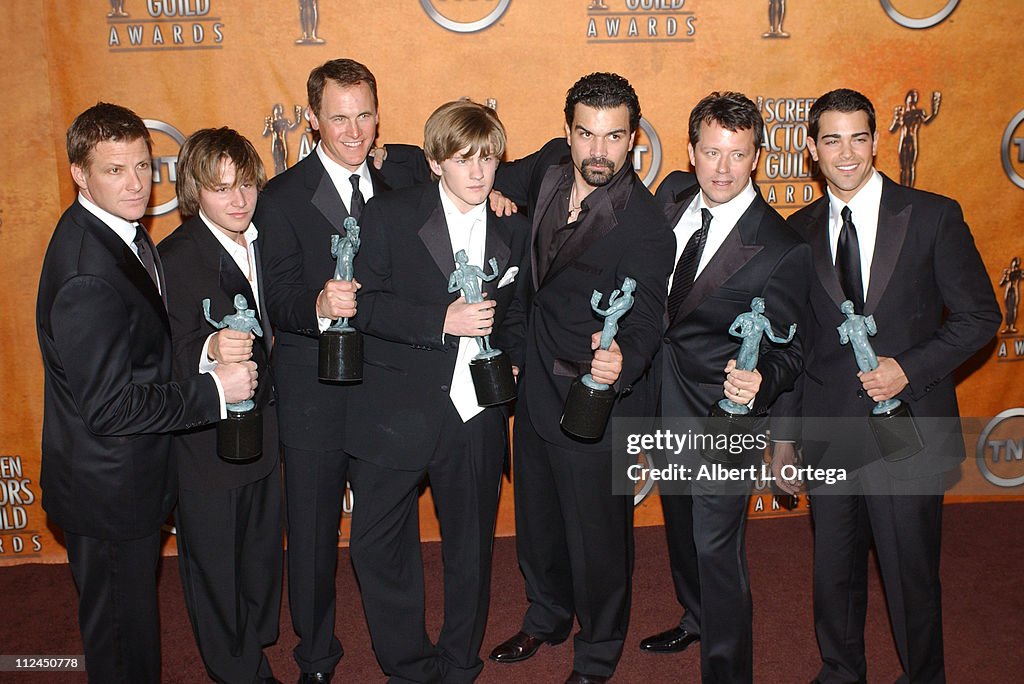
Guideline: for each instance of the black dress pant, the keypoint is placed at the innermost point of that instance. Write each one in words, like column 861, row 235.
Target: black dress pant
column 464, row 472
column 230, row 557
column 574, row 540
column 314, row 493
column 117, row 607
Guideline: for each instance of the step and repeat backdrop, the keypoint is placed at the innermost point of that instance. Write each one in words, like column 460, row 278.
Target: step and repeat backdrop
column 944, row 76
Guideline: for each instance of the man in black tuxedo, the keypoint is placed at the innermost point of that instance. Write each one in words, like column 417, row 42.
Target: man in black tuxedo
column 228, row 517
column 297, row 214
column 730, row 248
column 415, row 416
column 594, row 224
column 107, row 477
column 907, row 258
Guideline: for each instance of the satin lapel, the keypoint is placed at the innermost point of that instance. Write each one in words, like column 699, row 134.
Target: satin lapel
column 893, row 221
column 674, row 209
column 548, row 189
column 496, row 247
column 731, row 256
column 327, row 200
column 596, row 223
column 434, row 233
column 268, row 333
column 128, row 262
column 822, row 252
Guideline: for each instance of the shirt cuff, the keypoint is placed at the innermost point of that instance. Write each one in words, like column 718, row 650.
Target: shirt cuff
column 205, row 364
column 220, row 395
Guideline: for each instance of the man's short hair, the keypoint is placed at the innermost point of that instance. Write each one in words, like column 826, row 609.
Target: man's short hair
column 732, row 111
column 603, row 91
column 103, row 121
column 463, row 123
column 840, row 100
column 345, row 73
column 199, row 164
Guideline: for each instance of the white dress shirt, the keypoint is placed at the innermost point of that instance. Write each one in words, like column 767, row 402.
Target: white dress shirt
column 864, row 215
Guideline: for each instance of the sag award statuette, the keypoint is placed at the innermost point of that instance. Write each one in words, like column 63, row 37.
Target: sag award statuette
column 893, row 425
column 240, row 435
column 491, row 369
column 726, row 416
column 589, row 403
column 341, row 345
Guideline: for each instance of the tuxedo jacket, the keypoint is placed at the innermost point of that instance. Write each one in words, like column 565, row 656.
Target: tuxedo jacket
column 197, row 267
column 297, row 214
column 760, row 257
column 933, row 305
column 404, row 264
column 622, row 233
column 108, row 399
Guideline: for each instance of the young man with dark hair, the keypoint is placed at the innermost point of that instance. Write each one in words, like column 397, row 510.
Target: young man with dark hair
column 730, row 247
column 907, row 258
column 109, row 401
column 228, row 517
column 415, row 417
column 594, row 224
column 297, row 214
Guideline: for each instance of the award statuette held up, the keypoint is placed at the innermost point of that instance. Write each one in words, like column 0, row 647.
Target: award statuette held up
column 491, row 369
column 240, row 435
column 891, row 421
column 589, row 403
column 341, row 345
column 726, row 416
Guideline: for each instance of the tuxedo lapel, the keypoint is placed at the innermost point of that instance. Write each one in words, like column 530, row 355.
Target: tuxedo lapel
column 434, row 233
column 497, row 247
column 553, row 177
column 377, row 179
column 738, row 248
column 817, row 236
column 893, row 221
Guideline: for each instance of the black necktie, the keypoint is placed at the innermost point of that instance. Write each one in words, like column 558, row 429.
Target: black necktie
column 848, row 262
column 357, row 203
column 146, row 255
column 686, row 267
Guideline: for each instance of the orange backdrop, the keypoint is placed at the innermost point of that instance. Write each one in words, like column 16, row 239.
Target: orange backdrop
column 187, row 64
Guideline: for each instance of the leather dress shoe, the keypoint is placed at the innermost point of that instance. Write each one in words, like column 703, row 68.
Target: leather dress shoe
column 580, row 678
column 520, row 646
column 673, row 640
column 268, row 680
column 315, row 678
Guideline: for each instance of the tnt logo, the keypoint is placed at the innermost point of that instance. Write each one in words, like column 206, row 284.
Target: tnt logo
column 940, row 11
column 1013, row 150
column 647, row 153
column 167, row 141
column 465, row 16
column 1000, row 450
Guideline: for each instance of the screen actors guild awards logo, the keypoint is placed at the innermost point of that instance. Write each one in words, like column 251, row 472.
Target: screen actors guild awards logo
column 642, row 21
column 922, row 23
column 117, row 9
column 456, row 20
column 309, row 18
column 277, row 127
column 908, row 118
column 776, row 15
column 1014, row 138
column 1010, row 282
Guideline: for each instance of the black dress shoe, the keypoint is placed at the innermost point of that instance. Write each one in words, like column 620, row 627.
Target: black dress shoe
column 673, row 640
column 520, row 647
column 580, row 678
column 315, row 678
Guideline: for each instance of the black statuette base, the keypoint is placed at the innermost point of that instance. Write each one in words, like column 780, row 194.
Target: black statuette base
column 721, row 422
column 493, row 380
column 341, row 356
column 240, row 436
column 896, row 433
column 586, row 410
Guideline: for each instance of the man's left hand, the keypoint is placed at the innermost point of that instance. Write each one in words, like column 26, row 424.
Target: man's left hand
column 886, row 381
column 501, row 205
column 607, row 363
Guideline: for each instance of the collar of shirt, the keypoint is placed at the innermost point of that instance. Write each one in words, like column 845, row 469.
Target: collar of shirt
column 864, row 214
column 460, row 227
column 123, row 229
column 725, row 217
column 340, row 177
column 243, row 256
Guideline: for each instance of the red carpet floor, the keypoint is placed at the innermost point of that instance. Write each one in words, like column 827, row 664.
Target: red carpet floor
column 982, row 572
